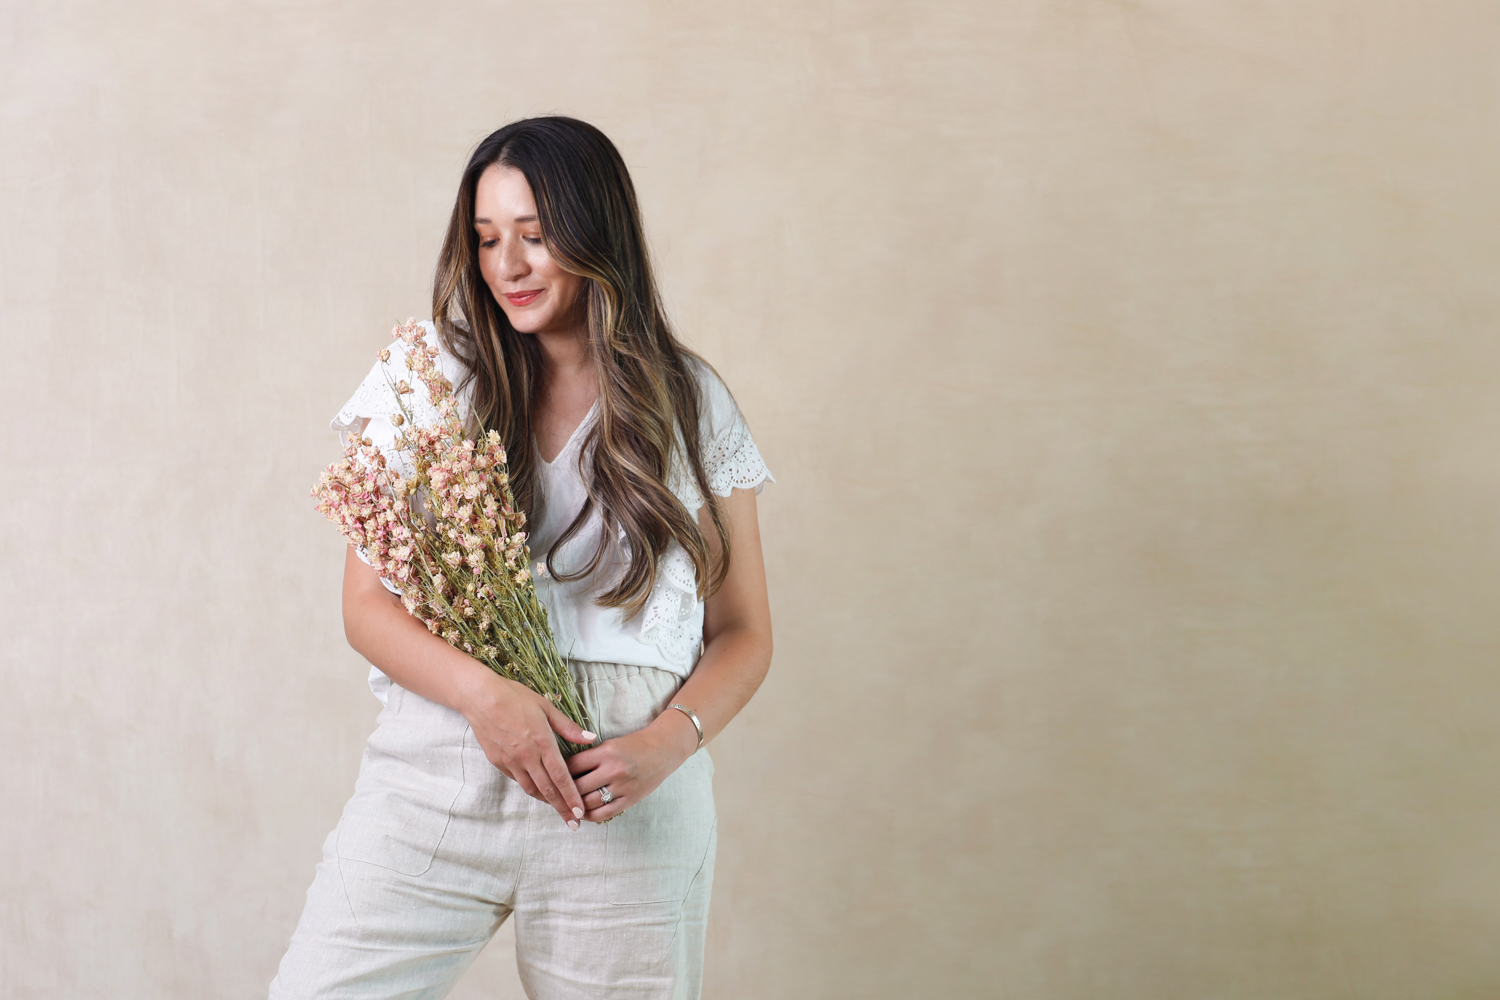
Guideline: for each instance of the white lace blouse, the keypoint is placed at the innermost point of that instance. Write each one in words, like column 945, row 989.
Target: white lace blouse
column 668, row 632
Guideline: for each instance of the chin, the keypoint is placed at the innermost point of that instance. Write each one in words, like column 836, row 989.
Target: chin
column 521, row 323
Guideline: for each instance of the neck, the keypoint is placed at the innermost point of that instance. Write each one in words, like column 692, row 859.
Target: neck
column 567, row 355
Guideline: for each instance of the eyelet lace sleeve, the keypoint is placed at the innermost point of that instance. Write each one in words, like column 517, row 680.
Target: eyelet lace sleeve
column 673, row 617
column 732, row 462
column 730, row 458
column 671, row 621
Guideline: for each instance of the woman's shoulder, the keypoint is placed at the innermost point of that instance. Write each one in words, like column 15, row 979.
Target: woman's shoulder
column 717, row 410
column 730, row 457
column 376, row 396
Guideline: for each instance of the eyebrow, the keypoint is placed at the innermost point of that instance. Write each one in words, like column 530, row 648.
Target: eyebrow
column 481, row 221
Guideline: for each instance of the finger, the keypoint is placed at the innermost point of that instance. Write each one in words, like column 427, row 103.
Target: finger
column 563, row 781
column 566, row 727
column 527, row 785
column 552, row 795
column 545, row 790
column 588, row 788
column 516, row 771
column 585, row 761
column 594, row 801
column 595, row 808
column 608, row 812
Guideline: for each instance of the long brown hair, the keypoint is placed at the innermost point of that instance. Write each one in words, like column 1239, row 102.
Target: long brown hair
column 649, row 402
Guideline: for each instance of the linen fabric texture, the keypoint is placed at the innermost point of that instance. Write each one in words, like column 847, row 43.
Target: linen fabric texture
column 437, row 849
column 668, row 632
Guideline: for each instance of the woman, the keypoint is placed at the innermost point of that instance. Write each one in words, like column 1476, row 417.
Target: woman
column 640, row 477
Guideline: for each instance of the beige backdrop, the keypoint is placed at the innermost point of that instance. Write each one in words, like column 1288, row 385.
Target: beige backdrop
column 1127, row 368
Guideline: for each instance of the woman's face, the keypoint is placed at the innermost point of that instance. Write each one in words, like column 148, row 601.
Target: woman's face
column 537, row 295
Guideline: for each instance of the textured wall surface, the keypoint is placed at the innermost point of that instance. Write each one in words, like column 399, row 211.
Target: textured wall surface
column 1127, row 367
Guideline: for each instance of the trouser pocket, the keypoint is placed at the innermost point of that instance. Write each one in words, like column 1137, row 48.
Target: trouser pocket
column 411, row 775
column 654, row 849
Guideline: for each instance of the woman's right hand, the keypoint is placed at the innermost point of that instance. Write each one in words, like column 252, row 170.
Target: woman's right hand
column 513, row 723
column 515, row 726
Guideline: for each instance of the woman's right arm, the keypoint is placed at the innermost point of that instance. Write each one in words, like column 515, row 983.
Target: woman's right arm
column 513, row 724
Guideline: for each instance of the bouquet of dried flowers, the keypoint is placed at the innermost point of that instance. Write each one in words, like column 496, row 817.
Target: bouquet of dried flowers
column 441, row 525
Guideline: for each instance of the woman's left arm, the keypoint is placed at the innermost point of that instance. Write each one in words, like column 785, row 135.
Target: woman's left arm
column 736, row 656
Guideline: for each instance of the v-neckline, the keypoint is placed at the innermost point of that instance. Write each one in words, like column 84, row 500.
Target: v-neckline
column 568, row 444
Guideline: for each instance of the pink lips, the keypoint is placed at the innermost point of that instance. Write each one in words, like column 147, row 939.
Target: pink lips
column 523, row 298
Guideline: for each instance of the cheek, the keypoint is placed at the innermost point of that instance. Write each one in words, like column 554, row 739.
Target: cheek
column 543, row 266
column 487, row 267
column 566, row 283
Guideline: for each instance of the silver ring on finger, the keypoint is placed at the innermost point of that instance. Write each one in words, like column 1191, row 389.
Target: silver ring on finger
column 606, row 794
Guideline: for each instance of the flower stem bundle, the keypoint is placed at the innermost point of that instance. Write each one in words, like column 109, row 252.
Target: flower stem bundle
column 443, row 528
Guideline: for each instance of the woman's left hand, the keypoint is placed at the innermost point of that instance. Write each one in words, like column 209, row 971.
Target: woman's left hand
column 736, row 653
column 632, row 766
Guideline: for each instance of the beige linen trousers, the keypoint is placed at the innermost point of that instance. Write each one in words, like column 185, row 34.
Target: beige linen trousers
column 437, row 848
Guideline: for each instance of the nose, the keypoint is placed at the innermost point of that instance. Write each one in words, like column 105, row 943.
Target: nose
column 511, row 263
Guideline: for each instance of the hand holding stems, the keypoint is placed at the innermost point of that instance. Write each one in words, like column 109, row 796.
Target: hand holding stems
column 515, row 727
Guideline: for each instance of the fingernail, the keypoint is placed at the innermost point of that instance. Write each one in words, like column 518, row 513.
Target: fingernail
column 589, row 736
column 573, row 825
column 578, row 812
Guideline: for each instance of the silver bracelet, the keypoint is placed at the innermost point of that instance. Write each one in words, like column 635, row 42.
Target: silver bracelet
column 696, row 724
